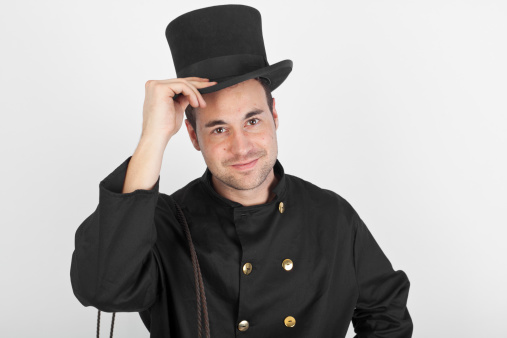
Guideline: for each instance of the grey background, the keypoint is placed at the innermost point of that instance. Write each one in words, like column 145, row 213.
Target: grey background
column 398, row 106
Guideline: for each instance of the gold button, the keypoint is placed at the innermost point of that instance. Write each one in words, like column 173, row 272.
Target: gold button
column 287, row 264
column 281, row 207
column 290, row 321
column 247, row 268
column 243, row 325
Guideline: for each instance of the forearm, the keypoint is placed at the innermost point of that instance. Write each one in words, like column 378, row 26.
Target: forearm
column 145, row 165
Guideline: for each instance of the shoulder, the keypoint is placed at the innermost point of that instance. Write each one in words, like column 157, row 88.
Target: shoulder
column 182, row 196
column 313, row 196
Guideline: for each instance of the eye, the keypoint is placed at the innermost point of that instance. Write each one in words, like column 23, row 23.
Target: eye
column 218, row 129
column 254, row 120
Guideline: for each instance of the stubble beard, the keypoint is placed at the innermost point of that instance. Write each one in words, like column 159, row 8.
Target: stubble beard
column 243, row 181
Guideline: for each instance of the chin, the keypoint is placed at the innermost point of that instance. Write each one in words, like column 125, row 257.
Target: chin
column 251, row 178
column 246, row 184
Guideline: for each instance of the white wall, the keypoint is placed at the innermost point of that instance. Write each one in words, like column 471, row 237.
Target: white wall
column 398, row 106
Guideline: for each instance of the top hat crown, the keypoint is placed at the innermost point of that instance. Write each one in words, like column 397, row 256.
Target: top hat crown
column 225, row 44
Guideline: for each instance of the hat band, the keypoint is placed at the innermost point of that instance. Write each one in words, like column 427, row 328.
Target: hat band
column 224, row 66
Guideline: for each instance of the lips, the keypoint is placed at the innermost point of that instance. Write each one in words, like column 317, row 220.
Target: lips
column 245, row 166
column 239, row 164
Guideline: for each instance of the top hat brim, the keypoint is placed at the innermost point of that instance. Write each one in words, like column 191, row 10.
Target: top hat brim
column 275, row 73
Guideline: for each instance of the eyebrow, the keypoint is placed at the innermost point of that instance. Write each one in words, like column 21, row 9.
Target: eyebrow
column 248, row 115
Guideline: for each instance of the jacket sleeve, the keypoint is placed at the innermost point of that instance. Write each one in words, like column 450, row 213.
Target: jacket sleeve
column 113, row 265
column 381, row 310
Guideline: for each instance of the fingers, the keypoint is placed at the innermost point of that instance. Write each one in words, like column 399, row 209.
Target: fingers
column 193, row 83
column 201, row 84
column 180, row 86
column 186, row 90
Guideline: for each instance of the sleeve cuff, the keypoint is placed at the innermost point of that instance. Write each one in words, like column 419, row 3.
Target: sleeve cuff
column 113, row 183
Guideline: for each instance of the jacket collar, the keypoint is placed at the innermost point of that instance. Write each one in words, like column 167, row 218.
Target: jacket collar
column 279, row 189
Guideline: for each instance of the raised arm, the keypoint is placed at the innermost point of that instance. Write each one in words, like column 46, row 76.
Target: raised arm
column 114, row 266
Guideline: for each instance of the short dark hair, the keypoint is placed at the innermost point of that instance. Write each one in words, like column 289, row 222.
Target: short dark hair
column 190, row 111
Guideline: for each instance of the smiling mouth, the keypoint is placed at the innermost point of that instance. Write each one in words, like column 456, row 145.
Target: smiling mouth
column 247, row 165
column 244, row 163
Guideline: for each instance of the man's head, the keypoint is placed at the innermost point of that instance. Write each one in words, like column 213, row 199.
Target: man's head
column 237, row 126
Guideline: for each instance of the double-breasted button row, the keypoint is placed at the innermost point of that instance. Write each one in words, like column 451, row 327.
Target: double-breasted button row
column 289, row 322
column 287, row 264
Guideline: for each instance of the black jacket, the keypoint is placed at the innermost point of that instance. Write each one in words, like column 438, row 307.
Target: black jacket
column 131, row 255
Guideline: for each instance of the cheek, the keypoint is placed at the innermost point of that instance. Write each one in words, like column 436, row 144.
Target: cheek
column 217, row 150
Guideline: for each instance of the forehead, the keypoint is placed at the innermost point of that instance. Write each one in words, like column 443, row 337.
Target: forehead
column 232, row 102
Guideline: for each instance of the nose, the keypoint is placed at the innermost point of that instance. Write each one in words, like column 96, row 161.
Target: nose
column 241, row 144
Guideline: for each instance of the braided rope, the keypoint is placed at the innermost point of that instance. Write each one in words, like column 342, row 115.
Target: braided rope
column 205, row 306
column 198, row 278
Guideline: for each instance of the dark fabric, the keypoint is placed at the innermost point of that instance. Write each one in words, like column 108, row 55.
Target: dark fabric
column 215, row 31
column 131, row 255
column 221, row 41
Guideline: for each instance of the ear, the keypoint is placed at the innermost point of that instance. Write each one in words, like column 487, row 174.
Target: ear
column 275, row 115
column 193, row 135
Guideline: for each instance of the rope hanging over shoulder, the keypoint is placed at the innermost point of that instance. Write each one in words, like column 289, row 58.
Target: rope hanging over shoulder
column 199, row 285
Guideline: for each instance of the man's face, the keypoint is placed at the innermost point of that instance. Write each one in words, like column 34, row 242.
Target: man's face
column 230, row 133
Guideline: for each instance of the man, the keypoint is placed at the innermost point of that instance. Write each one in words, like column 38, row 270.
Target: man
column 264, row 253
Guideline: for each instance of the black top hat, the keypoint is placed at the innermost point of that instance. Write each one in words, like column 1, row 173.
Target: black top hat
column 222, row 43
